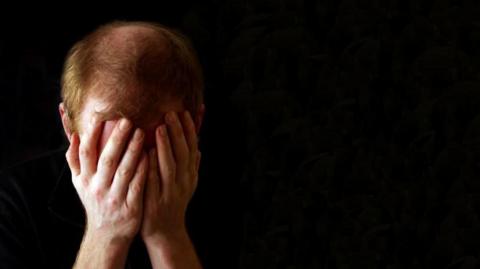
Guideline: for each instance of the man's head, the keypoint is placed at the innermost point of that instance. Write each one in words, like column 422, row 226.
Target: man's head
column 135, row 70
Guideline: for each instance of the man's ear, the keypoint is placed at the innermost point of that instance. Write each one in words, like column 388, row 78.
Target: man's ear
column 199, row 118
column 65, row 120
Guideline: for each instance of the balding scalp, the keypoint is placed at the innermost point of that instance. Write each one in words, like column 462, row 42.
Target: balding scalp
column 133, row 66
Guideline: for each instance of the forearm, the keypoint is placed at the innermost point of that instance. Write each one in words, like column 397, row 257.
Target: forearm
column 96, row 252
column 175, row 252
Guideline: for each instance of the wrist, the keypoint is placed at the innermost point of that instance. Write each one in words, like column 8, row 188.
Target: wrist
column 173, row 250
column 100, row 251
column 178, row 237
column 107, row 241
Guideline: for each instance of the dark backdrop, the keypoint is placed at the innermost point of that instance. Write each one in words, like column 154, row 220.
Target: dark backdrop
column 338, row 134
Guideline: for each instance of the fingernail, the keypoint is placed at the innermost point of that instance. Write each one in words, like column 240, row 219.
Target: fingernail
column 186, row 114
column 124, row 124
column 138, row 134
column 171, row 117
column 161, row 130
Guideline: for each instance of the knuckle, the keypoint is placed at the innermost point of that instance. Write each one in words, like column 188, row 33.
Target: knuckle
column 84, row 151
column 135, row 188
column 123, row 172
column 107, row 162
column 97, row 192
column 113, row 202
column 116, row 139
column 82, row 182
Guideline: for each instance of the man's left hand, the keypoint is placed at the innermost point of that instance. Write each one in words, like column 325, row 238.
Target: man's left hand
column 171, row 180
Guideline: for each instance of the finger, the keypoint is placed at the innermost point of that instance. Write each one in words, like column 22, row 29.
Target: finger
column 166, row 161
column 197, row 167
column 88, row 147
column 110, row 156
column 72, row 155
column 128, row 165
column 153, row 179
column 177, row 141
column 191, row 137
column 137, row 185
column 190, row 132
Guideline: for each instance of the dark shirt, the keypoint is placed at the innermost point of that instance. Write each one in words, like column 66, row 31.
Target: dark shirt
column 42, row 219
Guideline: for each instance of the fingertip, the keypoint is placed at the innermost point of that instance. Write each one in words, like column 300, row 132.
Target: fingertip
column 74, row 139
column 72, row 156
column 97, row 127
column 70, row 138
column 171, row 117
column 93, row 122
column 139, row 135
column 158, row 138
column 188, row 117
column 72, row 146
column 160, row 132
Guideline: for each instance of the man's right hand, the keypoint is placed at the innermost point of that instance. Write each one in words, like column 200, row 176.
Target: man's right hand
column 110, row 186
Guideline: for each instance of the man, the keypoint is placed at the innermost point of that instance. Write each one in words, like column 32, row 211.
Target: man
column 132, row 108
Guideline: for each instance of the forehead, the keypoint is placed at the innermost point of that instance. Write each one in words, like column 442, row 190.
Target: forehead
column 153, row 118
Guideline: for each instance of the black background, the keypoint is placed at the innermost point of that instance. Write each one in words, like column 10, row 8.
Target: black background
column 338, row 134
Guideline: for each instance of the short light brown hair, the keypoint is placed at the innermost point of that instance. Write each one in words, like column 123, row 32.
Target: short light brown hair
column 155, row 68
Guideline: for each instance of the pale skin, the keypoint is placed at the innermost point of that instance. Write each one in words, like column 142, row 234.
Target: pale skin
column 144, row 189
